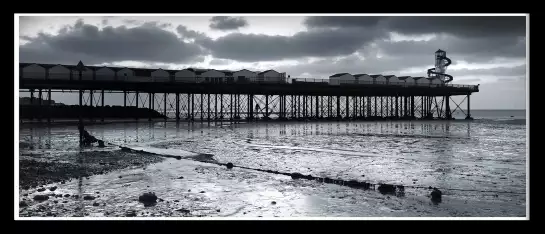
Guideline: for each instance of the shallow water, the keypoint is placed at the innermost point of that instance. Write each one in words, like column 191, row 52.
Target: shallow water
column 485, row 157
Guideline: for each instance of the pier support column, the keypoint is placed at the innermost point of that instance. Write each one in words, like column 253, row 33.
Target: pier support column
column 40, row 99
column 215, row 106
column 32, row 102
column 231, row 106
column 165, row 105
column 136, row 104
column 80, row 107
column 347, row 111
column 412, row 107
column 397, row 107
column 102, row 103
column 317, row 107
column 267, row 105
column 251, row 106
column 149, row 106
column 49, row 106
column 177, row 107
column 221, row 106
column 208, row 107
column 91, row 102
column 381, row 107
column 191, row 115
column 447, row 108
column 468, row 108
column 338, row 106
column 124, row 99
column 202, row 107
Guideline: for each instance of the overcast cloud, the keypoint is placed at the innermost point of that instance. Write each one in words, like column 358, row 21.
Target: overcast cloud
column 483, row 49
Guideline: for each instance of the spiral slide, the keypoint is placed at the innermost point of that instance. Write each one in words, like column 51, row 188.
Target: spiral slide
column 432, row 70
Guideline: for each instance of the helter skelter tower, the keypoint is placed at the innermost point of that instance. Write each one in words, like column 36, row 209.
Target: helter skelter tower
column 441, row 64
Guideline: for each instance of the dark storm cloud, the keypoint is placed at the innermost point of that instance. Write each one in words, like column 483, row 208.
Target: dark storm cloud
column 462, row 26
column 468, row 49
column 342, row 21
column 225, row 23
column 144, row 43
column 190, row 34
column 317, row 43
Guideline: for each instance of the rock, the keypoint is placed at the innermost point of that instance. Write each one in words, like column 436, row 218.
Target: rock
column 130, row 213
column 26, row 187
column 120, row 177
column 66, row 195
column 25, row 195
column 189, row 190
column 184, row 210
column 148, row 198
column 22, row 204
column 55, row 202
column 41, row 197
column 75, row 196
column 88, row 197
column 176, row 201
column 201, row 191
column 430, row 187
column 229, row 165
column 53, row 188
column 181, row 177
column 362, row 175
column 96, row 204
column 64, row 201
column 386, row 189
column 273, row 202
column 160, row 199
column 49, row 214
column 218, row 210
column 58, row 195
column 63, row 182
column 97, row 192
column 436, row 195
column 41, row 189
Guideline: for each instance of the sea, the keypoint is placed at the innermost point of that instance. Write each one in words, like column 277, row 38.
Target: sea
column 480, row 165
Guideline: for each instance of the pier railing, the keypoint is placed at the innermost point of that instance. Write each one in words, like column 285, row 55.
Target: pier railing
column 233, row 80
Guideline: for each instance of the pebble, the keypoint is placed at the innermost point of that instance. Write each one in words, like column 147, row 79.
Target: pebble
column 22, row 204
column 88, row 197
column 201, row 191
column 273, row 202
column 41, row 197
column 53, row 188
column 96, row 204
column 41, row 189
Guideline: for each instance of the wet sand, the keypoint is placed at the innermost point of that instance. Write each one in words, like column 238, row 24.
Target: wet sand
column 189, row 188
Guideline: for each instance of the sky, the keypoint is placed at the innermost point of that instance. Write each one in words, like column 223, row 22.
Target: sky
column 485, row 50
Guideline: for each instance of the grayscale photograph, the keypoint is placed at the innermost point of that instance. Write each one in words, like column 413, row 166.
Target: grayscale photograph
column 271, row 116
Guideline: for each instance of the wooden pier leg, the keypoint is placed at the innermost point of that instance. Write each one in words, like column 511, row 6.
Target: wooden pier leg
column 149, row 105
column 102, row 104
column 412, row 107
column 165, row 105
column 202, row 107
column 177, row 107
column 339, row 107
column 137, row 106
column 40, row 100
column 49, row 106
column 216, row 106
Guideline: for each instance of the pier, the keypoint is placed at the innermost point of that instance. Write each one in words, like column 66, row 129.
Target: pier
column 301, row 99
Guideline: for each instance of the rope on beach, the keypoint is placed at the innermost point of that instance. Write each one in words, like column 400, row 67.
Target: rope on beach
column 351, row 183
